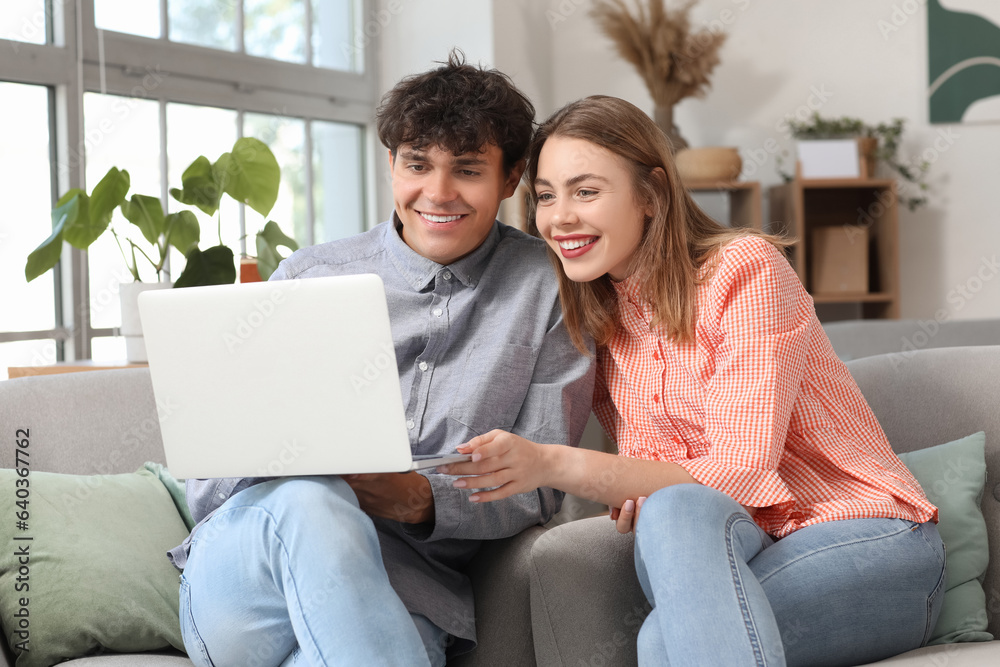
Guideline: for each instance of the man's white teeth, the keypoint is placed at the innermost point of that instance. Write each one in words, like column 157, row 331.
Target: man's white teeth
column 576, row 243
column 441, row 218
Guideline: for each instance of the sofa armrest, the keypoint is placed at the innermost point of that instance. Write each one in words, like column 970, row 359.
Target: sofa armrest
column 500, row 583
column 586, row 602
column 6, row 657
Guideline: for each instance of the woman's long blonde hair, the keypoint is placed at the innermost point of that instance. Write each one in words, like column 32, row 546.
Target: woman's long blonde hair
column 677, row 240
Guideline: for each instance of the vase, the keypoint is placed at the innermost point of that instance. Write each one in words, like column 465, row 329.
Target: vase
column 664, row 117
column 718, row 164
column 131, row 329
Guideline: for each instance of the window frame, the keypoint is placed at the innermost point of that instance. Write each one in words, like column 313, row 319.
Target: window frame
column 82, row 59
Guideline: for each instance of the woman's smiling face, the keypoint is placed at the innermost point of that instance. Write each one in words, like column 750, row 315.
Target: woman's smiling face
column 587, row 210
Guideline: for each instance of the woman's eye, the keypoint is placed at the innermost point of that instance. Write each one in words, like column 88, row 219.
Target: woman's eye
column 587, row 193
column 545, row 196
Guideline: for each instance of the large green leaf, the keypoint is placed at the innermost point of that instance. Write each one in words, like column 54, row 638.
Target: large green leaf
column 199, row 186
column 182, row 230
column 268, row 241
column 106, row 197
column 146, row 213
column 46, row 255
column 215, row 266
column 250, row 174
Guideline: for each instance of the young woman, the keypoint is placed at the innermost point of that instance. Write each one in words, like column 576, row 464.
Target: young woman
column 776, row 523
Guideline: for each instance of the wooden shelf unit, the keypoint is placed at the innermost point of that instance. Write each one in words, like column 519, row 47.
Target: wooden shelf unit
column 800, row 207
column 745, row 200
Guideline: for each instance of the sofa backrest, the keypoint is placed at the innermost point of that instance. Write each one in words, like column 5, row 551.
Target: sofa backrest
column 855, row 339
column 94, row 422
column 930, row 397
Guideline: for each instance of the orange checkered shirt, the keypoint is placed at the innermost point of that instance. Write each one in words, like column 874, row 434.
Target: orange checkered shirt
column 759, row 406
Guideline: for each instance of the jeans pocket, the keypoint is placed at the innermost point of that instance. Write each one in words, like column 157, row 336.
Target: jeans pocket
column 189, row 632
column 935, row 601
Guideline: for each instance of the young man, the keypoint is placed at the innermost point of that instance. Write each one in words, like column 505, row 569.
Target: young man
column 367, row 569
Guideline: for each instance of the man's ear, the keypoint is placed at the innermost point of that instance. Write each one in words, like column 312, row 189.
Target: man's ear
column 391, row 161
column 514, row 179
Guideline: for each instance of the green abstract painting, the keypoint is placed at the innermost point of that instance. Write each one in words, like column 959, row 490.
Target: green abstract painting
column 964, row 59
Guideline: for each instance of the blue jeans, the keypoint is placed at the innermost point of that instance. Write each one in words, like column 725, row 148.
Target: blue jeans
column 289, row 572
column 724, row 592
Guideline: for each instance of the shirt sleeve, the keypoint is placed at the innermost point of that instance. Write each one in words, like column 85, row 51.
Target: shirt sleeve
column 761, row 316
column 555, row 410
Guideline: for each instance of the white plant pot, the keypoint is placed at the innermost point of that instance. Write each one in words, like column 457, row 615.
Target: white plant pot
column 131, row 329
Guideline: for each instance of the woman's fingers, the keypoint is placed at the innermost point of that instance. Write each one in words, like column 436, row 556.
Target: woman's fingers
column 625, row 517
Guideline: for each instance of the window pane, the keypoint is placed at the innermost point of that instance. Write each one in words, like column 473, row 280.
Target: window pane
column 107, row 348
column 27, row 219
column 276, row 29
column 286, row 139
column 193, row 131
column 338, row 177
column 135, row 17
column 26, row 353
column 204, row 22
column 120, row 132
column 338, row 37
column 24, row 21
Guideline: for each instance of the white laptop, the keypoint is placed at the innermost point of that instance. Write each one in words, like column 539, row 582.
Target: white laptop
column 292, row 377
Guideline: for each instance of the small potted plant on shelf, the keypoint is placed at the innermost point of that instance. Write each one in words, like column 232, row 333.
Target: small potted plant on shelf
column 877, row 144
column 248, row 174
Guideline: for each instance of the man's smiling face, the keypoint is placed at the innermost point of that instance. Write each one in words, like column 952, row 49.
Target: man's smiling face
column 447, row 203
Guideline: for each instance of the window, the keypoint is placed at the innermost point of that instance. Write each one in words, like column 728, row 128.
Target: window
column 150, row 86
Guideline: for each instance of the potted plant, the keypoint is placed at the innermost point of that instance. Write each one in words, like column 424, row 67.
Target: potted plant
column 248, row 173
column 877, row 144
column 675, row 62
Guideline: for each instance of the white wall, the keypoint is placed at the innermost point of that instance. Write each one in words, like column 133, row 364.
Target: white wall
column 779, row 53
column 416, row 34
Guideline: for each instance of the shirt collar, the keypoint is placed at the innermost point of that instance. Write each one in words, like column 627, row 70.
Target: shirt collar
column 419, row 271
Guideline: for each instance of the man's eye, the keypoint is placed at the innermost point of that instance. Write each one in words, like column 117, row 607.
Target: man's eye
column 415, row 167
column 469, row 172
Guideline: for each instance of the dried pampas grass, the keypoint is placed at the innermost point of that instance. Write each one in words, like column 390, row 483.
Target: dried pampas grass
column 674, row 61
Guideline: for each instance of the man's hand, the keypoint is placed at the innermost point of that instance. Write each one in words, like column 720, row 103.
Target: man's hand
column 405, row 497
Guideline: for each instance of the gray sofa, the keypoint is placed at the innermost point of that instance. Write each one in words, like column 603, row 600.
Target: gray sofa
column 565, row 596
column 854, row 339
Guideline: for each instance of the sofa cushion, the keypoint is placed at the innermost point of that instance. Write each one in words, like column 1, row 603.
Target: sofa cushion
column 93, row 575
column 953, row 476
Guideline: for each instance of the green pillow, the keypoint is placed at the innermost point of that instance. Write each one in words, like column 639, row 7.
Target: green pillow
column 953, row 476
column 97, row 574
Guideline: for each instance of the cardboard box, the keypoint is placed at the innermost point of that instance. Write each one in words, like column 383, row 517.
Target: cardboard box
column 839, row 259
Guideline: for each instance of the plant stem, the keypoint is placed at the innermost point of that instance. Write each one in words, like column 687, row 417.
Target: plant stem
column 132, row 268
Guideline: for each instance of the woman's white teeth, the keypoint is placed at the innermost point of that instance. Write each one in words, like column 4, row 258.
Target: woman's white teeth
column 576, row 243
column 441, row 218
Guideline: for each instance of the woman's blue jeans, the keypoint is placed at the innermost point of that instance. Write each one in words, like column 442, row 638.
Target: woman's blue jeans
column 289, row 572
column 724, row 592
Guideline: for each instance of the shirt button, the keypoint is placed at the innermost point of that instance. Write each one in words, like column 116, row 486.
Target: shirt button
column 446, row 275
column 437, row 312
column 410, row 424
column 656, row 398
column 422, row 365
column 656, row 355
column 222, row 496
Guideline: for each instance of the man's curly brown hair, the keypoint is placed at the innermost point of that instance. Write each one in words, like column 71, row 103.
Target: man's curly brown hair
column 459, row 108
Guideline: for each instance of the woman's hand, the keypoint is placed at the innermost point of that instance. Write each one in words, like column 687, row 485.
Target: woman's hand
column 504, row 460
column 627, row 516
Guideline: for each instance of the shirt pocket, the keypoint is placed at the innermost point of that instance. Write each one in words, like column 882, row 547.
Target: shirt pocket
column 495, row 380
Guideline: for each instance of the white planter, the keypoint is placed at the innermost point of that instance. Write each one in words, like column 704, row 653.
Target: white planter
column 135, row 346
column 829, row 158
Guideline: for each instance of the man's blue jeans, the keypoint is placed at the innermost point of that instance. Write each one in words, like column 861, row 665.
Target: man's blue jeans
column 726, row 593
column 289, row 572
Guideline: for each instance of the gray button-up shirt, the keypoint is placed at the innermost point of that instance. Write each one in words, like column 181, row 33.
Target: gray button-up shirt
column 480, row 344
